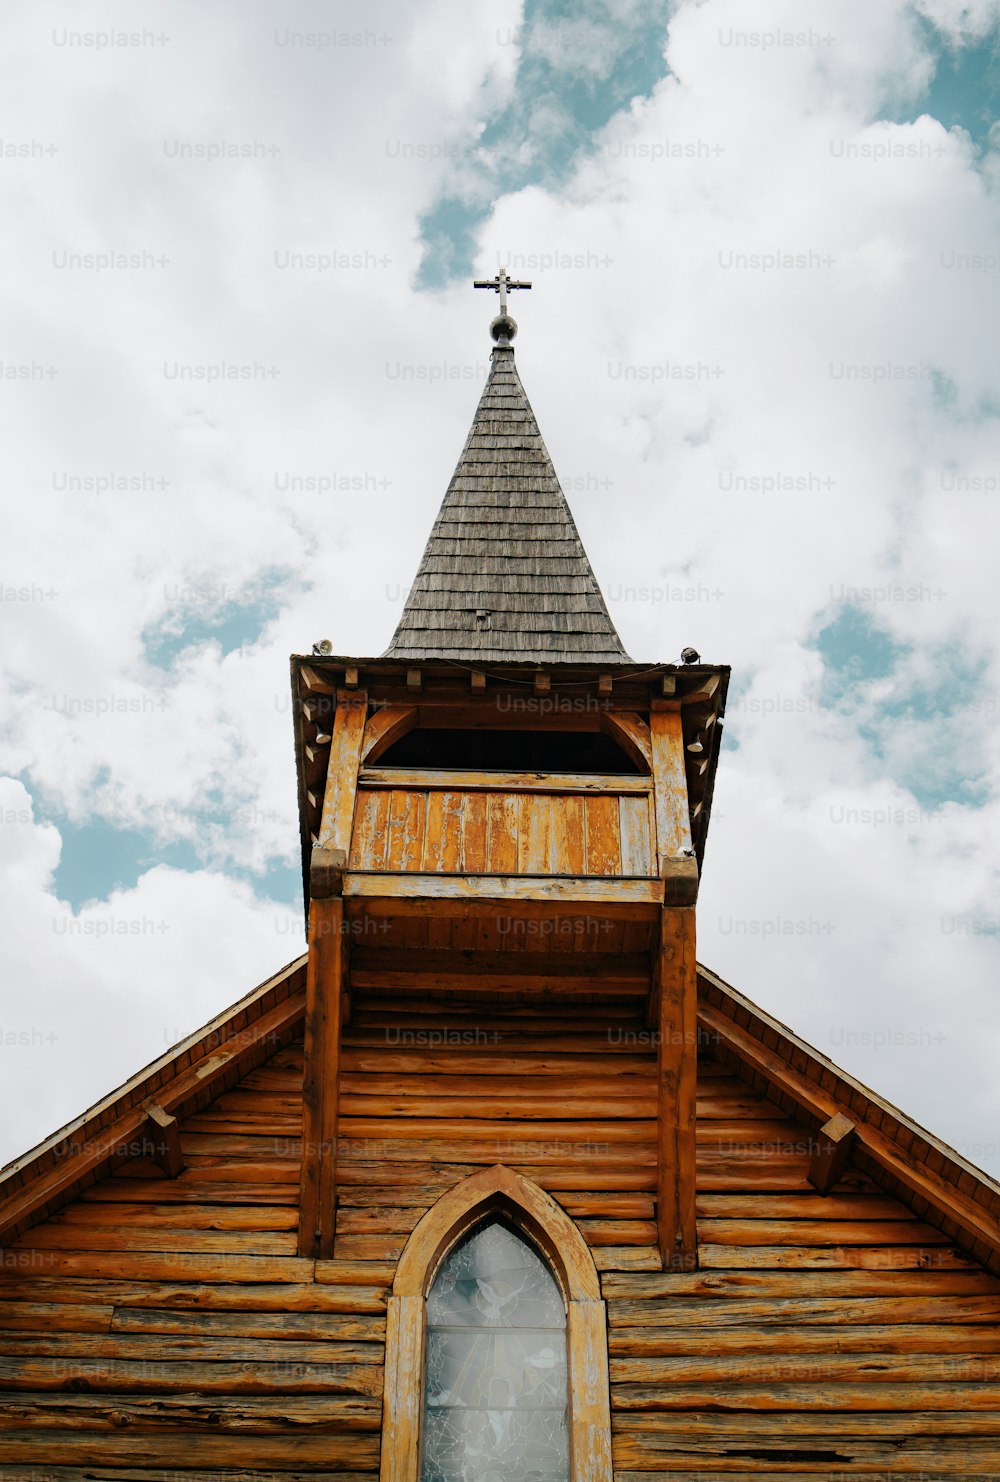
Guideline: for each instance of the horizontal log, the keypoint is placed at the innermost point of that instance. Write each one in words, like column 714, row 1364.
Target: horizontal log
column 276, row 1415
column 149, row 1376
column 884, row 1283
column 85, row 1236
column 700, row 1428
column 955, row 1459
column 960, row 1339
column 123, row 1348
column 168, row 1266
column 862, row 1369
column 830, row 1231
column 390, row 1063
column 799, row 1257
column 626, row 1258
column 43, row 1448
column 286, row 1326
column 460, row 1129
column 836, row 1206
column 193, row 1188
column 786, row 1311
column 438, row 1178
column 65, row 1317
column 333, row 1291
column 98, row 1472
column 818, row 1396
column 701, row 1475
column 174, row 1216
column 613, row 1105
column 618, row 1232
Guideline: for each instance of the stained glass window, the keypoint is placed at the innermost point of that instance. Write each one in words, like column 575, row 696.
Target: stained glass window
column 495, row 1403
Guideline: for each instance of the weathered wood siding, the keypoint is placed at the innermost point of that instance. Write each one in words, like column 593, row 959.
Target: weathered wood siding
column 433, row 829
column 163, row 1327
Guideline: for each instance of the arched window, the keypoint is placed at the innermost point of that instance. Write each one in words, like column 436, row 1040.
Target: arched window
column 496, row 1336
column 495, row 1390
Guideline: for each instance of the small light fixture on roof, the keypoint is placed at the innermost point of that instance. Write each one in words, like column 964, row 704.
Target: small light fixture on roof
column 690, row 656
column 324, row 648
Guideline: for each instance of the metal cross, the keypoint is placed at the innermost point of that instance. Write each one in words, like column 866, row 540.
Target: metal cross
column 500, row 284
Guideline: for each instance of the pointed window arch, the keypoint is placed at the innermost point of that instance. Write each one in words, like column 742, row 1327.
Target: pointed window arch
column 541, row 1235
column 495, row 1395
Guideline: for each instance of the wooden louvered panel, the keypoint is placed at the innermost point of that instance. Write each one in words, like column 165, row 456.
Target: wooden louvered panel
column 525, row 832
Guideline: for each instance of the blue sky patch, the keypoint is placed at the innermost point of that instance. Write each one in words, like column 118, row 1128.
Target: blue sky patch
column 920, row 729
column 853, row 649
column 578, row 67
column 965, row 89
column 99, row 857
column 213, row 612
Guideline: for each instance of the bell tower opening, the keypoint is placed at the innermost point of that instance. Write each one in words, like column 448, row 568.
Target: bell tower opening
column 483, row 750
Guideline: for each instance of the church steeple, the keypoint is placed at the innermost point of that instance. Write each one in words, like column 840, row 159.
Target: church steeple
column 504, row 576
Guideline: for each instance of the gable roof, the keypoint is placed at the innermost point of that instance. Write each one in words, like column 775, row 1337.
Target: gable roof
column 504, row 575
column 937, row 1183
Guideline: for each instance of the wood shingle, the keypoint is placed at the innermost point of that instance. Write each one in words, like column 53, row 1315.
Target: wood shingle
column 505, row 575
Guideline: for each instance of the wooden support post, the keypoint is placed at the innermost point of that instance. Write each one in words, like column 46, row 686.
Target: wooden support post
column 324, row 987
column 677, row 864
column 479, row 679
column 164, row 1132
column 677, row 1077
column 414, row 679
column 543, row 683
column 831, row 1153
column 342, row 775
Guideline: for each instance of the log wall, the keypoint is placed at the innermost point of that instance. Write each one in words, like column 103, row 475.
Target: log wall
column 164, row 1328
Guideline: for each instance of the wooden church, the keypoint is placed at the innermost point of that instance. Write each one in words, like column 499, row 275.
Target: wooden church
column 495, row 1183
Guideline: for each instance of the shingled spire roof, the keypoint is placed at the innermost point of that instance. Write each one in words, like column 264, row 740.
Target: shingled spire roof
column 505, row 576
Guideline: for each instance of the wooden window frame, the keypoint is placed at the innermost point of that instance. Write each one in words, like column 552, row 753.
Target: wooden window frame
column 497, row 1190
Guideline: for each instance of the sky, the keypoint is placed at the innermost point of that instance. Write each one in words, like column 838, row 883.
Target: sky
column 240, row 354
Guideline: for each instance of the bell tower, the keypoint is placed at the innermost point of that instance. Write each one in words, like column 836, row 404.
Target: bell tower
column 504, row 807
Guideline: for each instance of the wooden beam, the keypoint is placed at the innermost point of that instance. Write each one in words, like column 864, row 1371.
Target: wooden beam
column 316, row 684
column 342, row 776
column 324, row 1004
column 384, row 727
column 543, row 683
column 408, row 886
column 832, row 1153
column 631, row 733
column 673, row 825
column 479, row 679
column 351, row 679
column 441, row 779
column 414, row 679
column 677, row 1072
column 164, row 1132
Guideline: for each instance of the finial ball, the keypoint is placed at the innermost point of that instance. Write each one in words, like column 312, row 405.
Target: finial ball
column 503, row 328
